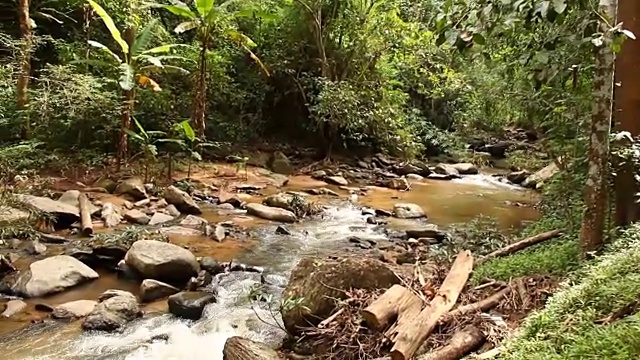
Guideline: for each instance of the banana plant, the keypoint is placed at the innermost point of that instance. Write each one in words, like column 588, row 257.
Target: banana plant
column 192, row 144
column 203, row 19
column 135, row 61
column 147, row 141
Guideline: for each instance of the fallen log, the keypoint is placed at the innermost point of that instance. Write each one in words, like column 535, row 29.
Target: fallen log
column 237, row 348
column 462, row 343
column 482, row 305
column 384, row 310
column 522, row 244
column 489, row 354
column 52, row 239
column 85, row 215
column 409, row 337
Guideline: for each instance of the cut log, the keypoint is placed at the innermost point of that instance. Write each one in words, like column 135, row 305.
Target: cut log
column 85, row 215
column 409, row 337
column 482, row 305
column 384, row 310
column 522, row 244
column 237, row 348
column 462, row 343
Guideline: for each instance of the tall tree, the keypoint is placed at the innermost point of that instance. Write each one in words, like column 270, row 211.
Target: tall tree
column 592, row 232
column 25, row 65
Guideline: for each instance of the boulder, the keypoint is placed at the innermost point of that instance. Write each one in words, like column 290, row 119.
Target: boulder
column 74, row 309
column 517, row 177
column 414, row 177
column 319, row 174
column 106, row 184
column 426, row 231
column 13, row 307
column 162, row 261
column 52, row 275
column 270, row 213
column 35, row 247
column 136, row 216
column 115, row 309
column 211, row 266
column 396, row 184
column 336, row 180
column 64, row 213
column 180, row 231
column 142, row 203
column 193, row 221
column 465, row 168
column 408, row 211
column 319, row 281
column 133, row 187
column 160, row 218
column 172, row 210
column 280, row 164
column 408, row 168
column 447, row 170
column 181, row 200
column 189, row 304
column 110, row 215
column 237, row 348
column 9, row 214
column 538, row 178
column 151, row 290
column 71, row 197
column 497, row 150
column 216, row 232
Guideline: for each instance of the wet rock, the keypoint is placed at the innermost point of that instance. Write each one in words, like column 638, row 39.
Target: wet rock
column 112, row 312
column 287, row 201
column 237, row 348
column 396, row 184
column 6, row 265
column 180, row 230
column 435, row 176
column 142, row 203
column 465, row 168
column 71, row 197
column 281, row 230
column 270, row 213
column 212, row 266
column 109, row 253
column 9, row 214
column 189, row 304
column 319, row 174
column 517, row 177
column 43, row 307
column 322, row 191
column 383, row 213
column 216, row 232
column 279, row 163
column 426, row 231
column 83, row 255
column 408, row 211
column 74, row 309
column 382, row 160
column 201, row 281
column 125, row 271
column 160, row 218
column 13, row 307
column 414, row 177
column 53, row 275
column 133, row 187
column 538, row 178
column 372, row 220
column 35, row 247
column 321, row 280
column 407, row 169
column 162, row 261
column 447, row 170
column 136, row 216
column 172, row 210
column 428, row 241
column 497, row 150
column 226, row 206
column 193, row 221
column 336, row 180
column 151, row 290
column 64, row 213
column 110, row 215
column 106, row 184
column 182, row 201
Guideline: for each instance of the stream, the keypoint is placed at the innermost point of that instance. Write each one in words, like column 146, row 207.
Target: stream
column 234, row 314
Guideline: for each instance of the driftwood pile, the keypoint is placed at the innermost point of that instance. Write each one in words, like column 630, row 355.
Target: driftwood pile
column 403, row 317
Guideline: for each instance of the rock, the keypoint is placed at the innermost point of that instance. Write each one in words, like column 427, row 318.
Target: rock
column 322, row 191
column 162, row 261
column 13, row 307
column 180, row 230
column 322, row 280
column 189, row 304
column 396, row 184
column 279, row 163
column 426, row 231
column 70, row 197
column 281, row 230
column 182, row 201
column 447, row 169
column 217, row 233
column 142, row 203
column 383, row 213
column 35, row 247
column 172, row 210
column 106, row 184
column 133, row 187
column 517, row 177
column 6, row 265
column 407, row 169
column 52, row 275
column 160, row 218
column 74, row 309
column 9, row 214
column 193, row 221
column 151, row 290
column 435, row 176
column 382, row 160
column 287, row 201
column 465, row 168
column 319, row 174
column 116, row 309
column 237, row 348
column 64, row 213
column 201, row 281
column 136, row 216
column 408, row 211
column 497, row 150
column 336, row 180
column 414, row 177
column 111, row 252
column 110, row 215
column 270, row 213
column 211, row 266
column 546, row 173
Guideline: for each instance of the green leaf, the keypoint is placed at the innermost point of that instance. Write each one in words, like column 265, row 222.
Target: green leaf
column 111, row 26
column 559, row 6
column 105, row 49
column 126, row 76
column 134, row 135
column 162, row 48
column 451, row 36
column 140, row 128
column 178, row 8
column 479, row 39
column 185, row 26
column 142, row 41
column 175, row 141
column 204, row 7
column 153, row 60
column 188, row 130
column 241, row 38
column 196, row 156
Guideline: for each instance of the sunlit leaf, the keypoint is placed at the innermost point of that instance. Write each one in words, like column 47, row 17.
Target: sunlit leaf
column 178, row 8
column 628, row 34
column 134, row 135
column 559, row 6
column 111, row 26
column 126, row 76
column 162, row 48
column 188, row 130
column 204, row 7
column 105, row 49
column 185, row 26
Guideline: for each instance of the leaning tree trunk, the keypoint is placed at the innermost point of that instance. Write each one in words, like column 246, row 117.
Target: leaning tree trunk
column 25, row 65
column 128, row 98
column 200, row 96
column 592, row 232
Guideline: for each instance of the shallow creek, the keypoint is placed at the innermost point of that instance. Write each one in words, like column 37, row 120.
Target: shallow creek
column 445, row 202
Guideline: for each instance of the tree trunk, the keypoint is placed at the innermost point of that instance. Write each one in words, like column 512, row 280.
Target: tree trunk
column 237, row 348
column 128, row 97
column 627, row 106
column 22, row 96
column 85, row 215
column 200, row 96
column 592, row 232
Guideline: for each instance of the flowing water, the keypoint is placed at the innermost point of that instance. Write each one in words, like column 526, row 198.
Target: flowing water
column 235, row 314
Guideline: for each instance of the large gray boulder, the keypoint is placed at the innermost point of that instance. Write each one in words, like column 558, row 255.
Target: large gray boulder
column 181, row 200
column 133, row 187
column 408, row 211
column 270, row 213
column 189, row 304
column 537, row 180
column 280, row 164
column 64, row 213
column 162, row 261
column 74, row 309
column 151, row 290
column 465, row 168
column 52, row 275
column 9, row 214
column 116, row 309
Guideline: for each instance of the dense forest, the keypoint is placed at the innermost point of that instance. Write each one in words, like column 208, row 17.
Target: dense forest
column 135, row 86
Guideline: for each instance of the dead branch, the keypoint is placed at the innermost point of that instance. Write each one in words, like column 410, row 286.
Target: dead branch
column 387, row 307
column 482, row 305
column 85, row 214
column 462, row 343
column 522, row 244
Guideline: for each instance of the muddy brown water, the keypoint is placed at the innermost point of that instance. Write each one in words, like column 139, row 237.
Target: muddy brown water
column 445, row 202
